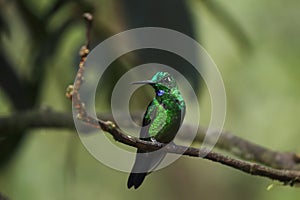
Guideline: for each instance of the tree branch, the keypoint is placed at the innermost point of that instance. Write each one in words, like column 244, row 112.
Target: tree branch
column 246, row 150
column 253, row 152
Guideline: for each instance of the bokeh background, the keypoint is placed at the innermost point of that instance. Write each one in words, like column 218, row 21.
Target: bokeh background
column 255, row 44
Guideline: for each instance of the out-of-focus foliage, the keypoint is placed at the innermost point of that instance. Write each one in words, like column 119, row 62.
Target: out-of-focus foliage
column 41, row 39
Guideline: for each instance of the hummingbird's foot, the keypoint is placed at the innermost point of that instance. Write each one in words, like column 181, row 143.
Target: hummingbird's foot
column 154, row 140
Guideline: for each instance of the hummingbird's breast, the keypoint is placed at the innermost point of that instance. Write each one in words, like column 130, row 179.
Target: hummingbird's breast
column 169, row 117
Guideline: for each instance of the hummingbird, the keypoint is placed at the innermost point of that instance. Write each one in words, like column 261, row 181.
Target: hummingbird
column 161, row 122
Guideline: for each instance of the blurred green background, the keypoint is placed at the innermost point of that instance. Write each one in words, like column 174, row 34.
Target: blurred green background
column 41, row 39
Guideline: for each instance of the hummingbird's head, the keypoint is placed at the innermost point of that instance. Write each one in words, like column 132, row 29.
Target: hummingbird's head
column 162, row 82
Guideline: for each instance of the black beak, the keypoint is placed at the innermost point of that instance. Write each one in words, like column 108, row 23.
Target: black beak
column 143, row 82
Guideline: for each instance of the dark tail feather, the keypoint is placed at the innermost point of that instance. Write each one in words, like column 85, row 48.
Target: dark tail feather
column 135, row 179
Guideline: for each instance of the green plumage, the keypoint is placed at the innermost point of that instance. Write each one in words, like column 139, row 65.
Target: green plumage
column 161, row 122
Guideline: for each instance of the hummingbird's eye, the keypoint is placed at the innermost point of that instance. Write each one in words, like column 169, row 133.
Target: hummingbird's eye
column 160, row 92
column 166, row 79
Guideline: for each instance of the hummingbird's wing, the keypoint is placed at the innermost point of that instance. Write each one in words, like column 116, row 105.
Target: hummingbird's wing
column 149, row 116
column 145, row 162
